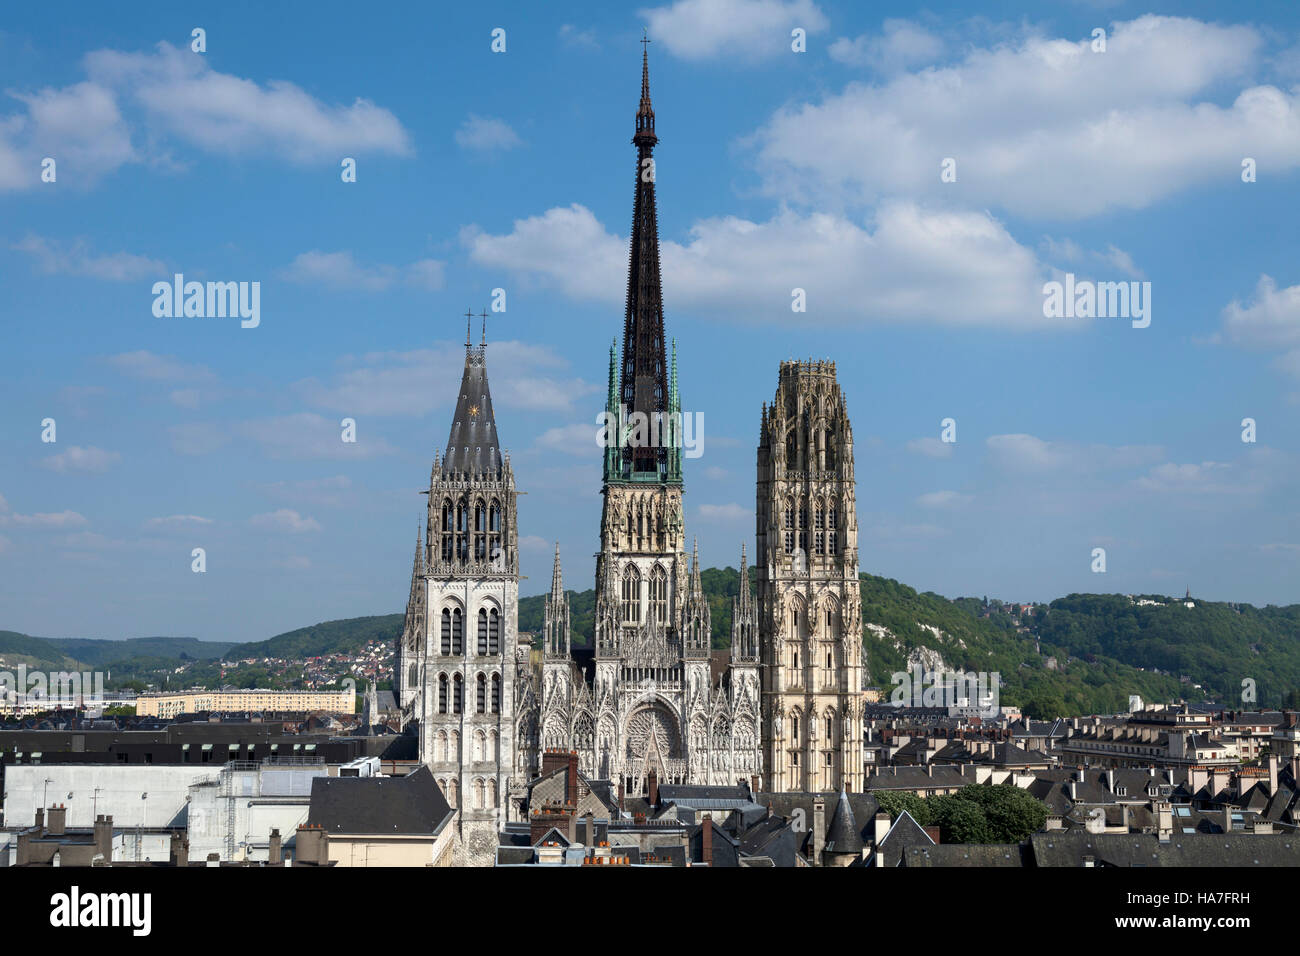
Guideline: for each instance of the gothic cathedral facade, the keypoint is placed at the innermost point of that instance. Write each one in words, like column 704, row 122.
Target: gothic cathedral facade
column 650, row 694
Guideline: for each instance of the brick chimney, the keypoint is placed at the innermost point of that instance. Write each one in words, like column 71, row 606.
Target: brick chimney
column 933, row 833
column 706, row 834
column 312, row 845
column 40, row 818
column 274, row 854
column 652, row 784
column 754, row 785
column 571, row 778
column 881, row 825
column 553, row 759
column 58, row 824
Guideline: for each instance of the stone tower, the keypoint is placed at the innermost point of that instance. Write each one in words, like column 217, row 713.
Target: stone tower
column 809, row 602
column 458, row 662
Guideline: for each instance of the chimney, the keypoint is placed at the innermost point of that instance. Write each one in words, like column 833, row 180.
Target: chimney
column 591, row 828
column 274, row 854
column 819, row 828
column 1164, row 821
column 1074, row 790
column 882, row 824
column 104, row 836
column 571, row 781
column 620, row 794
column 1110, row 780
column 1227, row 818
column 652, row 782
column 706, row 834
column 312, row 845
column 572, row 821
column 58, row 820
column 933, row 833
column 40, row 818
column 753, row 785
column 214, row 859
column 1123, row 816
column 180, row 850
column 1272, row 774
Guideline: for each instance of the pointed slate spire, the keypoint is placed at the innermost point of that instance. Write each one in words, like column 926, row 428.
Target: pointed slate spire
column 472, row 447
column 843, row 836
column 644, row 378
column 557, row 582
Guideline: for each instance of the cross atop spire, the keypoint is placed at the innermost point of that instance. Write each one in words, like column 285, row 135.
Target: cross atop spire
column 484, row 315
column 469, row 317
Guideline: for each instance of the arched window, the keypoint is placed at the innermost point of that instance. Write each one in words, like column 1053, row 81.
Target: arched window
column 441, row 753
column 496, row 693
column 631, row 595
column 819, row 527
column 794, row 726
column 482, row 631
column 494, row 530
column 478, row 794
column 442, row 693
column 480, row 531
column 478, row 745
column 457, row 632
column 448, row 530
column 789, row 526
column 412, row 676
column 494, row 631
column 457, row 695
column 659, row 594
column 445, row 643
column 491, row 793
column 830, row 522
column 480, row 698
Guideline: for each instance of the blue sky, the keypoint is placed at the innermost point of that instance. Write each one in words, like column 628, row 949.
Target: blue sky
column 776, row 170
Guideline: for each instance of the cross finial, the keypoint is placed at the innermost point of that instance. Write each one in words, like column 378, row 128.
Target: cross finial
column 644, row 40
column 484, row 316
column 468, row 317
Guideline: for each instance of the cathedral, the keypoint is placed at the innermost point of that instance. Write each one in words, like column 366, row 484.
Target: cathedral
column 780, row 709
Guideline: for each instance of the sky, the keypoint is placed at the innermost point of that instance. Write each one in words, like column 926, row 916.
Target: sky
column 922, row 173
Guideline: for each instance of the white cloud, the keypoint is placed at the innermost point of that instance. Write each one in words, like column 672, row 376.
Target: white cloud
column 1208, row 477
column 222, row 113
column 152, row 367
column 899, row 45
column 53, row 257
column 741, row 29
column 185, row 398
column 174, row 94
column 397, row 383
column 1042, row 127
column 931, row 447
column 174, row 522
column 340, row 270
column 1028, row 453
column 79, row 126
column 307, row 435
column 60, row 519
column 486, row 134
column 943, row 499
column 323, row 492
column 1272, row 320
column 571, row 35
column 284, row 519
column 958, row 268
column 197, row 438
column 77, row 458
column 532, row 542
column 577, row 440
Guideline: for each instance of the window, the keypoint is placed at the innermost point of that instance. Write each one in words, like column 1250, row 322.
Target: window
column 631, row 596
column 448, row 530
column 496, row 693
column 442, row 693
column 494, row 632
column 482, row 631
column 480, row 531
column 481, row 696
column 659, row 594
column 446, row 631
column 457, row 632
column 457, row 695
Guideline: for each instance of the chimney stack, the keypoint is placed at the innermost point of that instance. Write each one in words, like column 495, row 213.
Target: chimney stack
column 819, row 828
column 653, row 787
column 274, row 852
column 104, row 836
column 40, row 818
column 58, row 820
column 706, row 834
column 1272, row 774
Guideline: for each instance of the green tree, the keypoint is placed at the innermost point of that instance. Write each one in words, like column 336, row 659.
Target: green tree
column 894, row 802
column 960, row 821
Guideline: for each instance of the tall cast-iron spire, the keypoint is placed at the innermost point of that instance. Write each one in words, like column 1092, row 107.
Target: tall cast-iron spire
column 644, row 387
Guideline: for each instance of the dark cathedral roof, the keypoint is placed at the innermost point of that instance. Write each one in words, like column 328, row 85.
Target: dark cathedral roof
column 472, row 446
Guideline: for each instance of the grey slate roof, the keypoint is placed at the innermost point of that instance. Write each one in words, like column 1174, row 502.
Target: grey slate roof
column 966, row 854
column 1145, row 849
column 843, row 836
column 472, row 446
column 379, row 805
